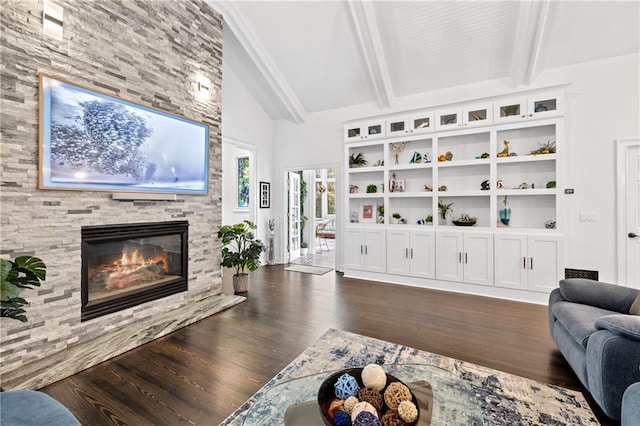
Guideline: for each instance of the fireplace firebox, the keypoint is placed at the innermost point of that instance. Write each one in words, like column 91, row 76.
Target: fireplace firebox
column 129, row 264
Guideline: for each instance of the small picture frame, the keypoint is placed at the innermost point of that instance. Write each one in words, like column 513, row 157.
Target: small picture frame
column 368, row 212
column 397, row 185
column 265, row 195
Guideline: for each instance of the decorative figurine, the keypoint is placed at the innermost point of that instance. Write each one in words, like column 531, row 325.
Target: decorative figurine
column 499, row 184
column 505, row 151
column 426, row 158
column 484, row 185
column 442, row 188
column 416, row 158
column 505, row 212
column 353, row 189
column 428, row 188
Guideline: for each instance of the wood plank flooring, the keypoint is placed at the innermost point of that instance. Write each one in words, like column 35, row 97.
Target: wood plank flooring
column 198, row 375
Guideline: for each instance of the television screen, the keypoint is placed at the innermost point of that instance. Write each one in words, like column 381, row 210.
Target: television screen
column 93, row 141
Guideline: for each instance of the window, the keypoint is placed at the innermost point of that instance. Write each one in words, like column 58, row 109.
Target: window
column 243, row 181
column 325, row 192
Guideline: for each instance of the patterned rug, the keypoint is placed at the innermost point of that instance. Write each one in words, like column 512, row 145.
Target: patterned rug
column 308, row 269
column 505, row 399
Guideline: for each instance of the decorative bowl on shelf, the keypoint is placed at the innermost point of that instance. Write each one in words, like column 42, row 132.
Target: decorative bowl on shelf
column 328, row 399
column 465, row 220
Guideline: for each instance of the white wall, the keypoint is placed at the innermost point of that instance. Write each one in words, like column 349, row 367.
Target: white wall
column 602, row 105
column 246, row 124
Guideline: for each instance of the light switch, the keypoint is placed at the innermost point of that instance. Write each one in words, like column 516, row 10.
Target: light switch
column 588, row 217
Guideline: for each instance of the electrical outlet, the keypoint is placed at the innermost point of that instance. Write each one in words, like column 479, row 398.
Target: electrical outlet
column 588, row 217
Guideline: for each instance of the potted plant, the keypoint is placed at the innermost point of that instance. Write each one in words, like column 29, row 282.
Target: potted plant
column 304, row 248
column 357, row 160
column 445, row 211
column 240, row 250
column 396, row 217
column 372, row 188
column 25, row 272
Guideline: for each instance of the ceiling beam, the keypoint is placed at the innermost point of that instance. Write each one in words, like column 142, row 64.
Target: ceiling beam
column 258, row 54
column 528, row 39
column 370, row 43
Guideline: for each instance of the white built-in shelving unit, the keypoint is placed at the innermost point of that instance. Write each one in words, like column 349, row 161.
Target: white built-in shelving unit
column 514, row 260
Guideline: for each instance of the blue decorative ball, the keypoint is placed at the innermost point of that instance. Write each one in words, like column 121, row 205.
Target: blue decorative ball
column 366, row 418
column 341, row 419
column 346, row 386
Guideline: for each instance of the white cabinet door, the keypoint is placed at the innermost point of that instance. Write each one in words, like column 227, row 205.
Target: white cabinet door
column 478, row 259
column 375, row 250
column 511, row 261
column 422, row 254
column 544, row 262
column 354, row 249
column 398, row 246
column 449, row 258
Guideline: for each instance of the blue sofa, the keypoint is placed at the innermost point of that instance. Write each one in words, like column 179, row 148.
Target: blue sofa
column 591, row 325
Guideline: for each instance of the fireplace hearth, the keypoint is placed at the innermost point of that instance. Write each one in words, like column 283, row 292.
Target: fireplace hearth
column 129, row 264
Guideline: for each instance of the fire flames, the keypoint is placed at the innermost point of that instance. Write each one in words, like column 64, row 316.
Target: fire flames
column 132, row 269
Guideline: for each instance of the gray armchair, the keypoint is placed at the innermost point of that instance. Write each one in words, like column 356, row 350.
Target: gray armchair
column 591, row 325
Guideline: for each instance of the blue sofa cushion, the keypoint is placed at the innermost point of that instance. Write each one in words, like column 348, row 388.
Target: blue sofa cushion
column 579, row 320
column 601, row 295
column 624, row 325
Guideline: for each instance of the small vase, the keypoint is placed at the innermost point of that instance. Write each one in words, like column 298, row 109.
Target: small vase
column 505, row 213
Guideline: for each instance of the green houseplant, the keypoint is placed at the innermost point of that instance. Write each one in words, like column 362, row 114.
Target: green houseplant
column 25, row 272
column 240, row 250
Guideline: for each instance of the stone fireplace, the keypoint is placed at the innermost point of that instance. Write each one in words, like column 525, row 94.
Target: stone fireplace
column 129, row 264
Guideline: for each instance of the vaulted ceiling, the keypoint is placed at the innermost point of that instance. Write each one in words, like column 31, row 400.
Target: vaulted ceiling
column 301, row 57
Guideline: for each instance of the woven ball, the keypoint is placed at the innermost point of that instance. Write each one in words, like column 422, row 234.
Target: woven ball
column 349, row 403
column 396, row 393
column 408, row 411
column 360, row 407
column 366, row 419
column 372, row 396
column 392, row 418
column 373, row 375
column 341, row 419
column 346, row 386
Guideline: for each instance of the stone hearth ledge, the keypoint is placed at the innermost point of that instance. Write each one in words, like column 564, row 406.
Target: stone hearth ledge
column 74, row 359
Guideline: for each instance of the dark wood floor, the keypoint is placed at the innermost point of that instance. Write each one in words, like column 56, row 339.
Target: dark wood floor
column 201, row 373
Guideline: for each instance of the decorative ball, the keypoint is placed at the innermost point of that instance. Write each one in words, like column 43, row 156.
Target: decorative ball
column 346, row 386
column 360, row 407
column 373, row 375
column 408, row 411
column 392, row 418
column 349, row 403
column 341, row 419
column 396, row 393
column 366, row 419
column 372, row 396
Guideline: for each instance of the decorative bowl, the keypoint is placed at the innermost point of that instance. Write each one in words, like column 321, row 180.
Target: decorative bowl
column 326, row 393
column 464, row 222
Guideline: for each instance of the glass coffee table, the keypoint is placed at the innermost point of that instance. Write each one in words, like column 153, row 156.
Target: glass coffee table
column 454, row 401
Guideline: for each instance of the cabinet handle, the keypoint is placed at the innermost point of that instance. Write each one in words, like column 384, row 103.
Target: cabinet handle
column 459, row 257
column 361, row 250
column 466, row 256
column 524, row 262
column 365, row 249
column 406, row 253
column 531, row 263
column 412, row 253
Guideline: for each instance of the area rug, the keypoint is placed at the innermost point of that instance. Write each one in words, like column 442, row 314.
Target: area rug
column 308, row 269
column 505, row 399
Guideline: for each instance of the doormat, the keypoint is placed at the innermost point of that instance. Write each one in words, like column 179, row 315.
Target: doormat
column 505, row 399
column 308, row 269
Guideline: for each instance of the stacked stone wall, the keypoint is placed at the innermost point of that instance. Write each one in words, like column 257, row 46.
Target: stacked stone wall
column 148, row 52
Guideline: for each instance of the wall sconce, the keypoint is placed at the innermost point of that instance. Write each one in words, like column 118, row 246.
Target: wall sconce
column 202, row 88
column 52, row 20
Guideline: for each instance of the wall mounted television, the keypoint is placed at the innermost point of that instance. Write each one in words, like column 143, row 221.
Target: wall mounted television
column 92, row 141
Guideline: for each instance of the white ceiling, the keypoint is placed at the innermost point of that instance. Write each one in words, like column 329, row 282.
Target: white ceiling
column 301, row 57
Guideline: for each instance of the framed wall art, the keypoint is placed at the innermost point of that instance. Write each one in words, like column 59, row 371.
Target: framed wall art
column 368, row 212
column 93, row 141
column 265, row 195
